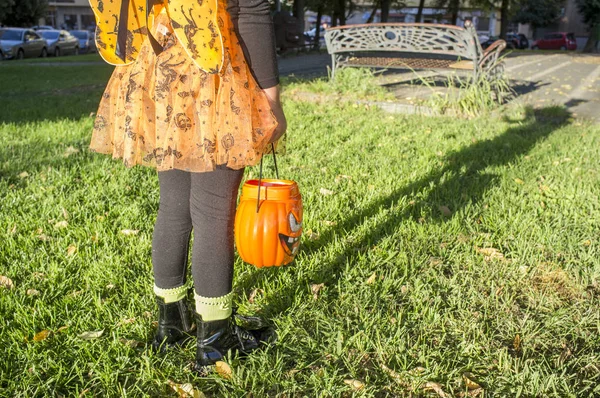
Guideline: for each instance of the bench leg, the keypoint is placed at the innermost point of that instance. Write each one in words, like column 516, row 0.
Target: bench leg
column 333, row 62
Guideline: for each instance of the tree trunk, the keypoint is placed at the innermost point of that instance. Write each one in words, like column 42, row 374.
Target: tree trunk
column 504, row 19
column 592, row 41
column 317, row 42
column 454, row 7
column 375, row 8
column 420, row 11
column 298, row 12
column 385, row 10
column 342, row 11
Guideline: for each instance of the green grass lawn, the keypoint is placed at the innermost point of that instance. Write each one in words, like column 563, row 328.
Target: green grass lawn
column 438, row 255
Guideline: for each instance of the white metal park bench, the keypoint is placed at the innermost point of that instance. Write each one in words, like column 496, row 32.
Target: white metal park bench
column 413, row 46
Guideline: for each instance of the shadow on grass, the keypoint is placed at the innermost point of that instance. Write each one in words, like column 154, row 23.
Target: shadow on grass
column 459, row 183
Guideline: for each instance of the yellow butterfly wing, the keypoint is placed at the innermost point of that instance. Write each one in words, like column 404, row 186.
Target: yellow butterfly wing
column 111, row 17
column 198, row 29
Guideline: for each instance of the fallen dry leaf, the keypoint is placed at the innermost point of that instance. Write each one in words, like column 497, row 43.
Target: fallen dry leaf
column 435, row 261
column 131, row 343
column 312, row 235
column 185, row 390
column 445, row 210
column 316, row 288
column 91, row 335
column 356, row 385
column 61, row 225
column 396, row 376
column 32, row 292
column 419, row 370
column 223, row 370
column 40, row 336
column 519, row 181
column 24, row 174
column 342, row 177
column 253, row 295
column 128, row 232
column 126, row 321
column 372, row 278
column 435, row 387
column 490, row 253
column 517, row 343
column 6, row 282
column 60, row 329
column 70, row 151
column 65, row 213
column 72, row 249
column 43, row 237
column 330, row 223
column 326, row 192
column 470, row 382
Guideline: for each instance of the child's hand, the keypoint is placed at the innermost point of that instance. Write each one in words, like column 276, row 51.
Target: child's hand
column 275, row 103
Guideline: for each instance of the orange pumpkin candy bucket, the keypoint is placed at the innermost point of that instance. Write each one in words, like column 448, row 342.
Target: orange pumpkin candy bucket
column 268, row 221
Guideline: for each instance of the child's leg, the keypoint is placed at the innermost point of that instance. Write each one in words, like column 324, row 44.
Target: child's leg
column 212, row 204
column 171, row 237
column 213, row 200
column 169, row 259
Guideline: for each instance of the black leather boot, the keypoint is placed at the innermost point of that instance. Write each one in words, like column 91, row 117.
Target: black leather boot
column 174, row 325
column 217, row 338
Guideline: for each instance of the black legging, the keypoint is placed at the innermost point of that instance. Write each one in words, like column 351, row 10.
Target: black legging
column 206, row 202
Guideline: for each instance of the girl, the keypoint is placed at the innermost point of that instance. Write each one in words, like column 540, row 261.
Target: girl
column 199, row 126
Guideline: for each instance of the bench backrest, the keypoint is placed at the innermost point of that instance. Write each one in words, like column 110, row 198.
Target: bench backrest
column 405, row 37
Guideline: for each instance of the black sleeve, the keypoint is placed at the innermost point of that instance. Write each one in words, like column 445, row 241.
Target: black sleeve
column 254, row 27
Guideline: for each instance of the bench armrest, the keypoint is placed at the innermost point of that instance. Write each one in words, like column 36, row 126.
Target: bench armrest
column 491, row 54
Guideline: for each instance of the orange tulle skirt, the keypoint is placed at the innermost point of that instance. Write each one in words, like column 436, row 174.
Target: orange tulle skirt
column 165, row 112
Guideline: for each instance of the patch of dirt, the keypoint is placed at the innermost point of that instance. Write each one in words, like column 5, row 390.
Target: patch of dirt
column 551, row 278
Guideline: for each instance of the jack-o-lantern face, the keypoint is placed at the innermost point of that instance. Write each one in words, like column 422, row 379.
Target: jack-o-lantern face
column 290, row 243
column 270, row 236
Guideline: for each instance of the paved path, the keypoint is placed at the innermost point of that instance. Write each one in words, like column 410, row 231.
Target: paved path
column 572, row 80
column 540, row 79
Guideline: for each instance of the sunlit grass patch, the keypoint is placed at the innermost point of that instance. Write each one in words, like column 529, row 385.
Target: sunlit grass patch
column 438, row 255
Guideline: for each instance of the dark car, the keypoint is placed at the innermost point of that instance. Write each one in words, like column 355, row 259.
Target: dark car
column 517, row 40
column 86, row 40
column 556, row 41
column 20, row 43
column 485, row 44
column 60, row 42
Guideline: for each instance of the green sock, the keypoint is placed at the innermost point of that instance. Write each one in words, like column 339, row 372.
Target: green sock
column 214, row 308
column 171, row 295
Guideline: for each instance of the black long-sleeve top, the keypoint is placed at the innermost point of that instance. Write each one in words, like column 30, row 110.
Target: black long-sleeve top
column 254, row 27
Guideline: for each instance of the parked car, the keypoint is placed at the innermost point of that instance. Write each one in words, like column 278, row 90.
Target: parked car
column 60, row 42
column 20, row 43
column 518, row 40
column 310, row 34
column 556, row 41
column 86, row 40
column 43, row 27
column 485, row 44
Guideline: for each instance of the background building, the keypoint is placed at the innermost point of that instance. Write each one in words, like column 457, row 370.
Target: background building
column 70, row 14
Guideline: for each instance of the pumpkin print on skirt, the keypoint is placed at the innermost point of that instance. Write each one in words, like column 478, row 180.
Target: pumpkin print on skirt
column 165, row 112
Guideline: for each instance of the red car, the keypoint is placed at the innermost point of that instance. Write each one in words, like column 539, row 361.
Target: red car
column 556, row 41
